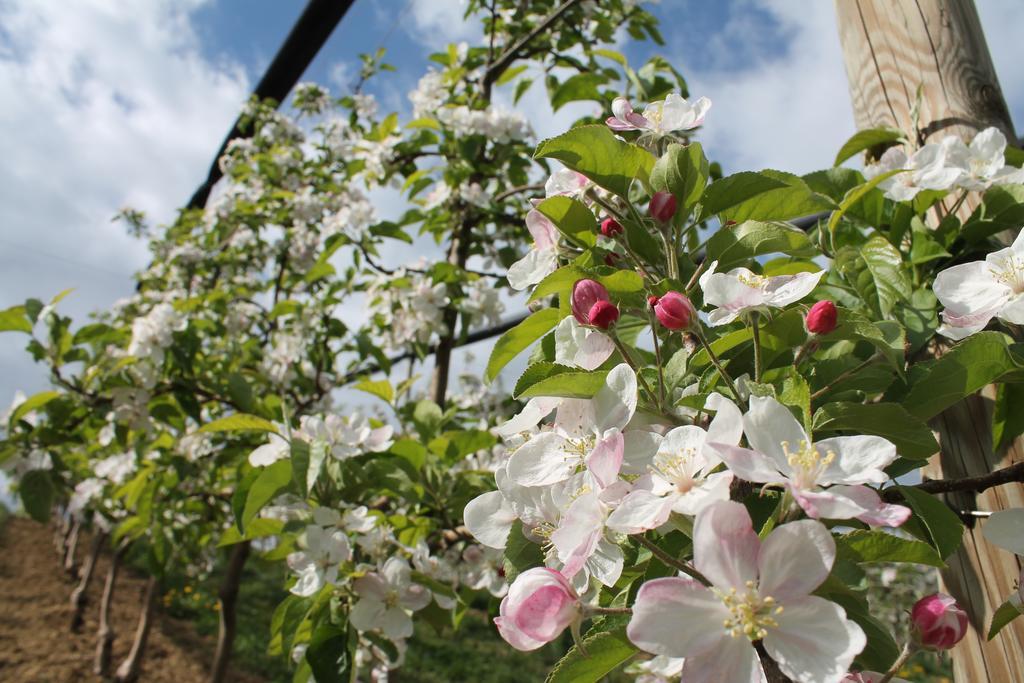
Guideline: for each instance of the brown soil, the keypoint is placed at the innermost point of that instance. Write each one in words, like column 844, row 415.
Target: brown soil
column 36, row 642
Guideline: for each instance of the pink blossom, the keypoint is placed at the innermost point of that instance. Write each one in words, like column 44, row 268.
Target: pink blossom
column 938, row 622
column 540, row 604
column 821, row 319
column 760, row 590
column 827, row 479
column 624, row 118
column 674, row 311
column 591, row 305
column 662, row 206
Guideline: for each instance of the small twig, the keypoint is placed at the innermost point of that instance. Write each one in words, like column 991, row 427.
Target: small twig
column 839, row 378
column 755, row 328
column 516, row 190
column 718, row 366
column 669, row 561
column 629, row 361
column 510, row 55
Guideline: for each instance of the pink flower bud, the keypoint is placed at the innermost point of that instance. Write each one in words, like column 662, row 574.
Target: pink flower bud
column 662, row 207
column 674, row 311
column 821, row 319
column 938, row 622
column 591, row 305
column 540, row 604
column 610, row 228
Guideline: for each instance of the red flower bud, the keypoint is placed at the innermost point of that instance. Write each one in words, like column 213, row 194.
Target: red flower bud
column 662, row 206
column 938, row 622
column 674, row 311
column 610, row 228
column 604, row 314
column 652, row 301
column 591, row 305
column 611, row 259
column 821, row 319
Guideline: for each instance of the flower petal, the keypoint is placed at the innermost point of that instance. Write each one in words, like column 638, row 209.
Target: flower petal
column 640, row 511
column 733, row 660
column 639, row 449
column 1006, row 529
column 725, row 545
column 605, row 461
column 814, row 641
column 676, row 617
column 748, row 465
column 768, row 425
column 795, row 559
column 858, row 459
column 615, row 403
column 876, row 512
column 489, row 518
column 541, row 461
column 532, row 268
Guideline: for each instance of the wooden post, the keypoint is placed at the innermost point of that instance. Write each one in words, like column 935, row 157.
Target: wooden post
column 892, row 47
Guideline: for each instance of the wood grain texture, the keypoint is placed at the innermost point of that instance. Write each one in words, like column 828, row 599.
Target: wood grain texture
column 892, row 48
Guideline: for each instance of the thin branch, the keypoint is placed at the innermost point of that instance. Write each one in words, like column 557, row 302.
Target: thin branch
column 510, row 55
column 1007, row 475
column 670, row 561
column 471, row 338
column 516, row 190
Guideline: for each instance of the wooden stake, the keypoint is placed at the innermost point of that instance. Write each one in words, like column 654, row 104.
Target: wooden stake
column 891, row 49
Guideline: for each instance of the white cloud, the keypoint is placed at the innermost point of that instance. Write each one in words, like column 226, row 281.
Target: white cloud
column 787, row 106
column 105, row 104
column 435, row 23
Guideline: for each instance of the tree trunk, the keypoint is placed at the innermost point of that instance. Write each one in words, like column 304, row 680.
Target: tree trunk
column 79, row 597
column 228, row 595
column 71, row 550
column 891, row 49
column 130, row 668
column 105, row 634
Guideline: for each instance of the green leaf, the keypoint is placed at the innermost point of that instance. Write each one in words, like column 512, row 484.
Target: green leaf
column 239, row 391
column 940, row 526
column 519, row 338
column 736, row 189
column 328, row 655
column 271, row 479
column 886, row 336
column 969, row 366
column 510, row 73
column 1007, row 422
column 683, row 171
column 382, row 389
column 605, row 652
column 865, row 139
column 15, row 319
column 595, row 152
column 733, row 244
column 582, row 86
column 239, row 422
column 558, row 283
column 36, row 491
column 913, row 438
column 1006, row 613
column 571, row 384
column 924, row 249
column 258, row 528
column 33, row 402
column 572, row 218
column 855, row 195
column 427, row 417
column 520, row 553
column 875, row 270
column 879, row 546
column 795, row 198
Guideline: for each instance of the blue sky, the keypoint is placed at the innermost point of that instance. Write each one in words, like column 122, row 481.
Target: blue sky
column 107, row 103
